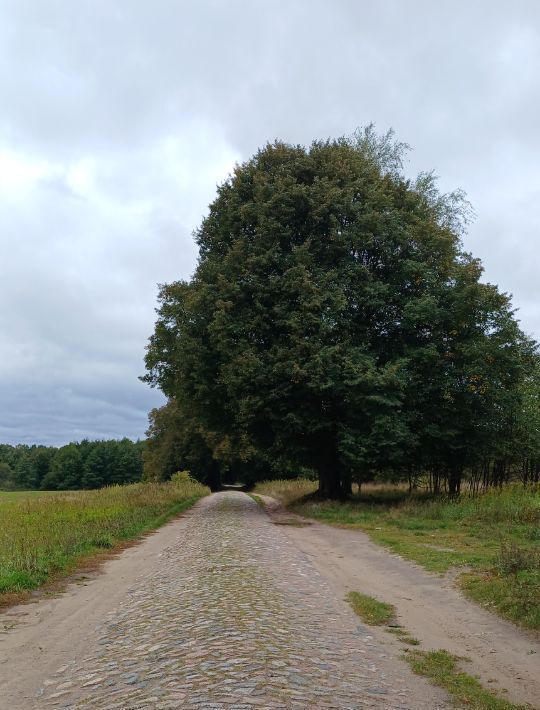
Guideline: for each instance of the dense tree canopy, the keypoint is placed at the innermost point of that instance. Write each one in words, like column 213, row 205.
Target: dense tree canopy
column 175, row 443
column 334, row 326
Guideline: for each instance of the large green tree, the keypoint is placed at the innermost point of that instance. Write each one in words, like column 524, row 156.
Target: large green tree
column 334, row 323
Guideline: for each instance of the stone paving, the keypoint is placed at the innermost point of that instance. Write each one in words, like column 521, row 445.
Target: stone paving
column 236, row 617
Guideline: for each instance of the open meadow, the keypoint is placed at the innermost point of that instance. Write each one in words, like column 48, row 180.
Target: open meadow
column 43, row 536
column 13, row 496
column 494, row 536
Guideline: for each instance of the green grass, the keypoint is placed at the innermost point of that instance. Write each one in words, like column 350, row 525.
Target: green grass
column 257, row 499
column 495, row 535
column 514, row 596
column 45, row 537
column 439, row 666
column 442, row 669
column 371, row 610
column 9, row 496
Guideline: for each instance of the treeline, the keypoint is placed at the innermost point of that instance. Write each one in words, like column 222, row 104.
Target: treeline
column 503, row 446
column 335, row 327
column 85, row 464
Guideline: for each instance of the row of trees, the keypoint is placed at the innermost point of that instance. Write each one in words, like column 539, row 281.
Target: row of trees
column 335, row 327
column 87, row 464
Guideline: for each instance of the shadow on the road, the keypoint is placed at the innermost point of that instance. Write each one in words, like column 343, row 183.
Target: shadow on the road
column 243, row 487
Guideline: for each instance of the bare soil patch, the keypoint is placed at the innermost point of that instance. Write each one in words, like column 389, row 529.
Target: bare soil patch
column 38, row 638
column 429, row 606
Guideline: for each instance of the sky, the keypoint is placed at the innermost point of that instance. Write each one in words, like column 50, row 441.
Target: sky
column 118, row 119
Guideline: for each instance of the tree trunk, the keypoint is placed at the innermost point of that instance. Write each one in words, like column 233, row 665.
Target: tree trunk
column 454, row 481
column 346, row 484
column 436, row 479
column 329, row 469
column 330, row 483
column 214, row 478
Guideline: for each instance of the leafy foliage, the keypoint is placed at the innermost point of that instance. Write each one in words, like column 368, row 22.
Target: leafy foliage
column 174, row 442
column 334, row 326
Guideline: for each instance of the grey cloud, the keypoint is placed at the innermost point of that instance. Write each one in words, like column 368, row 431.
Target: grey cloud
column 117, row 120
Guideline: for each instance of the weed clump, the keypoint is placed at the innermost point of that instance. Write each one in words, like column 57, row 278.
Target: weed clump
column 514, row 559
column 371, row 610
column 442, row 669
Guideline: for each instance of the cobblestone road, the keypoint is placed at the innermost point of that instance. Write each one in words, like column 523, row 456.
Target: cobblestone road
column 234, row 617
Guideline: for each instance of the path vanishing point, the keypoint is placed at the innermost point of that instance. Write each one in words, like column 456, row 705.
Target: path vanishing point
column 218, row 609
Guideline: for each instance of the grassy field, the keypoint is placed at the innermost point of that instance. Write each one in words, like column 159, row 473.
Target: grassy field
column 44, row 537
column 496, row 535
column 10, row 496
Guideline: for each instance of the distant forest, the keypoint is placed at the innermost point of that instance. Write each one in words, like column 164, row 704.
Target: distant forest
column 86, row 464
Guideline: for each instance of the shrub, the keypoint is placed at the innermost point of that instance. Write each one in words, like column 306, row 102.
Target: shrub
column 514, row 559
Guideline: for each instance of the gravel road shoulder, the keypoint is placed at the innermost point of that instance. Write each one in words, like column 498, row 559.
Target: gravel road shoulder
column 431, row 607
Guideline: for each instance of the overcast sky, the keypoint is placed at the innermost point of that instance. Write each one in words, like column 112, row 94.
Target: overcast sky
column 118, row 118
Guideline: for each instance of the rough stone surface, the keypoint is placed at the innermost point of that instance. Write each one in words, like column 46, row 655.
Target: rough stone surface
column 236, row 617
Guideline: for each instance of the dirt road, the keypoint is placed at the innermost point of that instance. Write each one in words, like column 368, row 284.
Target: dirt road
column 218, row 609
column 228, row 608
column 429, row 606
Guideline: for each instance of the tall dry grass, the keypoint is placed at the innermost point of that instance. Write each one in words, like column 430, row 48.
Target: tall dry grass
column 286, row 491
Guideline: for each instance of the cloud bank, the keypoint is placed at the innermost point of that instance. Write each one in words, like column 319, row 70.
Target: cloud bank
column 118, row 120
